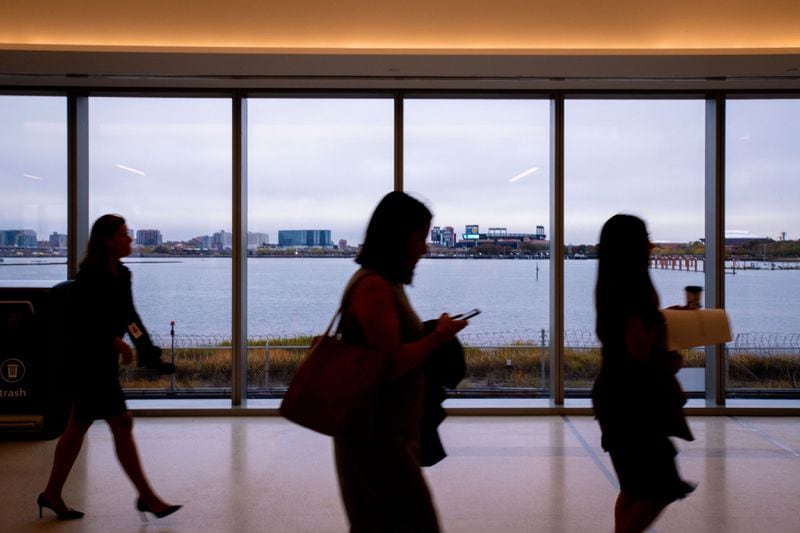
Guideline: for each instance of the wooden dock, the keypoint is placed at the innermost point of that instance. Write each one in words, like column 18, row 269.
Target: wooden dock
column 689, row 264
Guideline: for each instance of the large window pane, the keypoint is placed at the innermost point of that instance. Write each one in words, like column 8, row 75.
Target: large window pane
column 644, row 158
column 33, row 178
column 165, row 165
column 483, row 168
column 316, row 170
column 762, row 282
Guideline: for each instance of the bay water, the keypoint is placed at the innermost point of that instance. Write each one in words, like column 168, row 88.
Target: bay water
column 298, row 296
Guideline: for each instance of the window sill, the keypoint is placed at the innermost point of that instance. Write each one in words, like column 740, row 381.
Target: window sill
column 464, row 407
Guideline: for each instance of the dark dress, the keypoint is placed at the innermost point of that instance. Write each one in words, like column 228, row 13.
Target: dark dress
column 638, row 404
column 380, row 477
column 102, row 304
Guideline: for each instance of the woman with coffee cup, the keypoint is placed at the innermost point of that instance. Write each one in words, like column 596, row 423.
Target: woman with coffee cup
column 636, row 398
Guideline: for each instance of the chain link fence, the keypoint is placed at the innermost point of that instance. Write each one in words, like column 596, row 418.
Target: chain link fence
column 764, row 361
column 503, row 363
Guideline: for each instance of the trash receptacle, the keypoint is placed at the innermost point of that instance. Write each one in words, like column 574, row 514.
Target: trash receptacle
column 32, row 399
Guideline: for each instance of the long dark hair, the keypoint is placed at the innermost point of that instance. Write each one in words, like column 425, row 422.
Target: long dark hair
column 624, row 288
column 385, row 250
column 97, row 251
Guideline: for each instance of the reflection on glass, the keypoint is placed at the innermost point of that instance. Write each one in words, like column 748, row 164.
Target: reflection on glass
column 316, row 170
column 762, row 282
column 165, row 165
column 483, row 168
column 33, row 180
column 644, row 158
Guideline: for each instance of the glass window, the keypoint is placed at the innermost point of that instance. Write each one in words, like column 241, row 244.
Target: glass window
column 33, row 178
column 316, row 169
column 165, row 165
column 644, row 158
column 483, row 168
column 762, row 243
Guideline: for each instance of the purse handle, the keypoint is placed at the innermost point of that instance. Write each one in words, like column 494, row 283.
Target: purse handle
column 337, row 316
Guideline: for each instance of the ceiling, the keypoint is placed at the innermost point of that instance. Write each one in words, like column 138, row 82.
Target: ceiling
column 410, row 24
column 524, row 44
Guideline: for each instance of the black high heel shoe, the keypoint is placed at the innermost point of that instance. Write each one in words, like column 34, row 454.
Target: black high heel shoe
column 142, row 508
column 68, row 514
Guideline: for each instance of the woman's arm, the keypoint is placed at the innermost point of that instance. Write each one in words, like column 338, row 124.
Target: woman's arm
column 639, row 339
column 124, row 350
column 373, row 306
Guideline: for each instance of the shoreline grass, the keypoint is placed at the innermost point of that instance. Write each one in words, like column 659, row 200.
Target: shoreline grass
column 507, row 367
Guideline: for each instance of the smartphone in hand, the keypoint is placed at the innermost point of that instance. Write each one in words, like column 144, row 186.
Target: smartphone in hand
column 467, row 315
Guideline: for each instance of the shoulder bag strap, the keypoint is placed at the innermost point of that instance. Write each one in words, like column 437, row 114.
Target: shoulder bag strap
column 345, row 299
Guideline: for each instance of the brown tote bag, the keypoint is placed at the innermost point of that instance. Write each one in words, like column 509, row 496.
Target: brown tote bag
column 335, row 389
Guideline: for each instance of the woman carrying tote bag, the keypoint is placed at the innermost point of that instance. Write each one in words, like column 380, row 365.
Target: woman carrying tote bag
column 379, row 471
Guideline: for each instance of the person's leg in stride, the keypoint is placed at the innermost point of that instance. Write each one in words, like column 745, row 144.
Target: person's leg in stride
column 356, row 472
column 67, row 450
column 408, row 503
column 122, row 429
column 635, row 515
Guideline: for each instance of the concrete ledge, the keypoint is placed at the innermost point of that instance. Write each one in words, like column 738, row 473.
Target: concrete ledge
column 461, row 407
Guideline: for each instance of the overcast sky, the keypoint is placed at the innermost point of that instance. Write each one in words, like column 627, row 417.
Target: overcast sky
column 323, row 164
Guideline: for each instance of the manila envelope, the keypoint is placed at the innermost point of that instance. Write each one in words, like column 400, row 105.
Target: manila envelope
column 699, row 327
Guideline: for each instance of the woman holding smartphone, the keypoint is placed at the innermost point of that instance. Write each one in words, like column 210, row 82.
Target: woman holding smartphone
column 380, row 477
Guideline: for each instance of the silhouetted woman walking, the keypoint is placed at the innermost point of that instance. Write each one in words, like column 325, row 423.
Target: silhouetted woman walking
column 379, row 471
column 101, row 309
column 637, row 400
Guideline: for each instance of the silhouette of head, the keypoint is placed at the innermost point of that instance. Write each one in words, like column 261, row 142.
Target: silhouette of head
column 101, row 245
column 395, row 237
column 624, row 287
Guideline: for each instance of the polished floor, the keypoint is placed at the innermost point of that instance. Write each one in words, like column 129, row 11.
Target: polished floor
column 503, row 474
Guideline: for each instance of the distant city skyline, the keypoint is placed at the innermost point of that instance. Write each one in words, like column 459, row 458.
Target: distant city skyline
column 325, row 163
column 223, row 238
column 154, row 233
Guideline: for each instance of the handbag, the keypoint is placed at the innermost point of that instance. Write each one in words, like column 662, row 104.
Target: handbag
column 335, row 389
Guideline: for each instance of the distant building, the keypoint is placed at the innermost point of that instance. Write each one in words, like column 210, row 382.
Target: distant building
column 497, row 233
column 257, row 240
column 148, row 237
column 343, row 244
column 18, row 238
column 499, row 237
column 222, row 240
column 471, row 232
column 734, row 239
column 305, row 237
column 670, row 245
column 436, row 235
column 448, row 237
column 58, row 240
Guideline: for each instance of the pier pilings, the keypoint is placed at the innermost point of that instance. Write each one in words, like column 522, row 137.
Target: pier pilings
column 664, row 262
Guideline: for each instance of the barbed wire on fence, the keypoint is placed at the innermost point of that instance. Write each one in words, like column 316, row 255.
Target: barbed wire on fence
column 521, row 337
column 573, row 338
column 192, row 341
column 762, row 340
